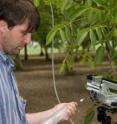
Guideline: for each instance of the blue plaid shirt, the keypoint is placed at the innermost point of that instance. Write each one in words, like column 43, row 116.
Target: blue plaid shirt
column 12, row 105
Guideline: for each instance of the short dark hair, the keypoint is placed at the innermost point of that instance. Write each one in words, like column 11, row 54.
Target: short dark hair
column 17, row 11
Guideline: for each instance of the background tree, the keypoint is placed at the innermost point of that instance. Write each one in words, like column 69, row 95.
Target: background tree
column 45, row 26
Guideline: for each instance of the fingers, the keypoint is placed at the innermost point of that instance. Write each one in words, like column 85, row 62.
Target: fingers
column 71, row 110
column 72, row 107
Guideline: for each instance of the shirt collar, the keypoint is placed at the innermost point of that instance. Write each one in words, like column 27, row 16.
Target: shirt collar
column 6, row 58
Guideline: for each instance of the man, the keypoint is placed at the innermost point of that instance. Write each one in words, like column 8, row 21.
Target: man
column 17, row 20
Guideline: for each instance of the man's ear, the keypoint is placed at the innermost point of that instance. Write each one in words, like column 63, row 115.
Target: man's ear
column 3, row 26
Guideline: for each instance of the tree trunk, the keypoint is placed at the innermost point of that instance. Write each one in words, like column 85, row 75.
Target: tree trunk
column 46, row 54
column 41, row 54
column 25, row 53
column 18, row 63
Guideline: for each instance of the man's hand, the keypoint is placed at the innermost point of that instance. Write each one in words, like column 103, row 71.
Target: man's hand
column 69, row 109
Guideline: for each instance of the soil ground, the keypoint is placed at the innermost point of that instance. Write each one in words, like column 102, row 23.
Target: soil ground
column 36, row 86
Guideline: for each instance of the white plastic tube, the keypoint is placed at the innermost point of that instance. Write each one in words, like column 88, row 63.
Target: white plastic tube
column 56, row 117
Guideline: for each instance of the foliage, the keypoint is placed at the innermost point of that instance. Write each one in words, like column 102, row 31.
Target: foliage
column 89, row 24
column 90, row 115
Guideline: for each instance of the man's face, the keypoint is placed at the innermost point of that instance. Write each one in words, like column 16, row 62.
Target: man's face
column 14, row 39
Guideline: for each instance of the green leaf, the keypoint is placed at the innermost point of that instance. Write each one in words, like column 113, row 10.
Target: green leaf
column 66, row 4
column 89, row 117
column 104, row 32
column 100, row 2
column 93, row 38
column 115, row 33
column 36, row 2
column 89, row 2
column 113, row 54
column 69, row 5
column 81, row 36
column 99, row 33
column 52, row 33
column 50, row 37
column 99, row 55
column 78, row 12
column 62, row 67
column 63, row 37
column 67, row 33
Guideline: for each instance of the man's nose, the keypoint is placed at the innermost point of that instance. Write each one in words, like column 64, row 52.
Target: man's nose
column 27, row 38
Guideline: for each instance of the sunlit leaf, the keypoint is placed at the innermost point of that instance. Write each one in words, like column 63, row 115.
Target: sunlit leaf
column 66, row 4
column 63, row 37
column 81, row 36
column 104, row 32
column 53, row 32
column 99, row 33
column 93, row 38
column 100, row 2
column 62, row 67
column 115, row 33
column 36, row 2
column 78, row 12
column 68, row 33
column 100, row 55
